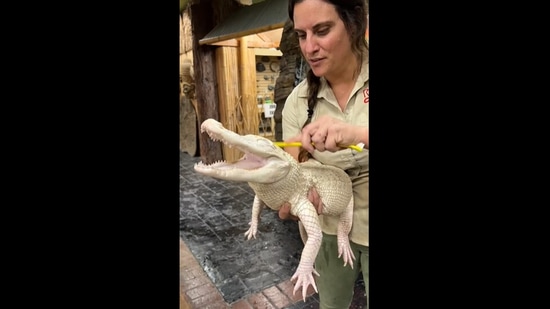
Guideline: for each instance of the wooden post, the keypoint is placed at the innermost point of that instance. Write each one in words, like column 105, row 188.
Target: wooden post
column 206, row 92
column 250, row 121
column 244, row 79
column 228, row 87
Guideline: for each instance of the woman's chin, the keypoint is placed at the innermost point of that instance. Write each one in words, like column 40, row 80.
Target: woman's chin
column 318, row 71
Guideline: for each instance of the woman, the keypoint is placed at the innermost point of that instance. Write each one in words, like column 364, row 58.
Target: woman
column 330, row 108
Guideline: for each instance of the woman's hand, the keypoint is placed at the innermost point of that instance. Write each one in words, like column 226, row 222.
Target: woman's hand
column 327, row 133
column 313, row 197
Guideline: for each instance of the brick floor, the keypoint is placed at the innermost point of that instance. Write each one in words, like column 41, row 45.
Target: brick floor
column 198, row 292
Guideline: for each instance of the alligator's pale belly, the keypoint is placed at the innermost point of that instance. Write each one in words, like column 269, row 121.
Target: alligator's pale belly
column 289, row 189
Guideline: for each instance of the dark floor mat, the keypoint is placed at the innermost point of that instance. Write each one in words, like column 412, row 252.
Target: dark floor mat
column 214, row 216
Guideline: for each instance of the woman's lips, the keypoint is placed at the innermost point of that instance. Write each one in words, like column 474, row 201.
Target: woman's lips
column 315, row 61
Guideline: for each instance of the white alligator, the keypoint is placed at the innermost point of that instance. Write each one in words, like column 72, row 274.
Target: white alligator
column 276, row 177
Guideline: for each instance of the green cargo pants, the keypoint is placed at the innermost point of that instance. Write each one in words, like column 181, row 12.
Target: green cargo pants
column 336, row 283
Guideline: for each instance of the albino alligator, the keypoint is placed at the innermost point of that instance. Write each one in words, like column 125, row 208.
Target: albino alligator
column 276, row 177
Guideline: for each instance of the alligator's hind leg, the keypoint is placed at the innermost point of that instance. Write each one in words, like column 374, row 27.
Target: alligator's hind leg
column 303, row 277
column 344, row 227
column 303, row 233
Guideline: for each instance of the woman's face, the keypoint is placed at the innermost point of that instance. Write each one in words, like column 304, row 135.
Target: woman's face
column 323, row 38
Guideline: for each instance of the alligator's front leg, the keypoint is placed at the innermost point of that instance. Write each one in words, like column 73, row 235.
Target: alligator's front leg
column 310, row 220
column 256, row 210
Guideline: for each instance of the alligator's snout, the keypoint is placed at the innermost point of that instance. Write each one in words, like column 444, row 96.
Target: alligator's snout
column 262, row 161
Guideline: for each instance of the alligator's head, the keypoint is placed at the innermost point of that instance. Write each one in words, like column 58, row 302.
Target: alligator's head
column 263, row 162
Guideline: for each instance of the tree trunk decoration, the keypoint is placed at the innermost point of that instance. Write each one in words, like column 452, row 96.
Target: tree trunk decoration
column 293, row 70
column 189, row 127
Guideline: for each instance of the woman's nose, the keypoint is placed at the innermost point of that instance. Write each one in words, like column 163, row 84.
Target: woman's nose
column 310, row 45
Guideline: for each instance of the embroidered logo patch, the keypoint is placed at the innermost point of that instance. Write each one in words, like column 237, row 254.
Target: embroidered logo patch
column 366, row 96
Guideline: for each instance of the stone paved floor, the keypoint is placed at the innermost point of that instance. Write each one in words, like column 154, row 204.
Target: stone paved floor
column 219, row 268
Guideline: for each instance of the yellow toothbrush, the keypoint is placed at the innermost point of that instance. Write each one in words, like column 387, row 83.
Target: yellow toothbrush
column 359, row 147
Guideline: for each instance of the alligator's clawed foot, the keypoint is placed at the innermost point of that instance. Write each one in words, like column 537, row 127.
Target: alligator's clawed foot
column 251, row 231
column 304, row 279
column 344, row 251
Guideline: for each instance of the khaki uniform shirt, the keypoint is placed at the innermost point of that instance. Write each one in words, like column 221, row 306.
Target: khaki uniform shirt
column 355, row 163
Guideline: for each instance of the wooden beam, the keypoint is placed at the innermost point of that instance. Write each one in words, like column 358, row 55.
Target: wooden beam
column 263, row 37
column 274, row 35
column 239, row 34
column 251, row 44
column 228, row 43
column 267, row 52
